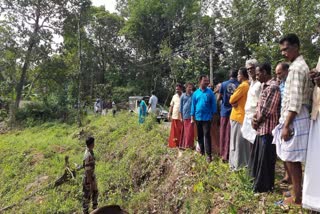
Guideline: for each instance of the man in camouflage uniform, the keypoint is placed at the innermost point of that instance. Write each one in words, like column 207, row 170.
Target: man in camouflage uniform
column 90, row 189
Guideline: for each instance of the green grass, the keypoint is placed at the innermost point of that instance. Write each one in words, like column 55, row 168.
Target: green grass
column 135, row 170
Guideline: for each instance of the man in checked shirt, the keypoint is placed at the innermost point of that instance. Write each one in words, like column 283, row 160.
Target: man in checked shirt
column 263, row 155
column 291, row 135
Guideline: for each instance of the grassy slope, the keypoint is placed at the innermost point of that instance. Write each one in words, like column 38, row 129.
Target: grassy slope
column 135, row 169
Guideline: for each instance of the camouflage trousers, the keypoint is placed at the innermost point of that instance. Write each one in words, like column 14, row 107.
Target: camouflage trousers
column 90, row 192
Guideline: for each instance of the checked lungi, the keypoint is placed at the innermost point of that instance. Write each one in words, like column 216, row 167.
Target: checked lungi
column 295, row 149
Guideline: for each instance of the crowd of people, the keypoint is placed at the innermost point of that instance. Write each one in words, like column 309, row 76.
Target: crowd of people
column 262, row 117
column 100, row 107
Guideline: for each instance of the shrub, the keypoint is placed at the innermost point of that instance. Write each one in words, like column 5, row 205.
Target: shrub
column 39, row 112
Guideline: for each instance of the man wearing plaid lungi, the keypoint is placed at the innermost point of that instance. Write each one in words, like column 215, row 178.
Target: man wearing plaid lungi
column 291, row 135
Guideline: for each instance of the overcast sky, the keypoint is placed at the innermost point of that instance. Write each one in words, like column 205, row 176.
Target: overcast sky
column 109, row 4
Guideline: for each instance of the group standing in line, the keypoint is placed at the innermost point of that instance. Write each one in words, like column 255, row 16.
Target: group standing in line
column 261, row 117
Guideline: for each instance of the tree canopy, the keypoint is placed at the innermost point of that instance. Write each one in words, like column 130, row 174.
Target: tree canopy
column 146, row 45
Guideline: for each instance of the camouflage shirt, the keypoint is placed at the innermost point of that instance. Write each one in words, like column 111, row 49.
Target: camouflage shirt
column 89, row 163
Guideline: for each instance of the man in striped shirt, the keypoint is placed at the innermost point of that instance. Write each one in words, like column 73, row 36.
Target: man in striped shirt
column 263, row 155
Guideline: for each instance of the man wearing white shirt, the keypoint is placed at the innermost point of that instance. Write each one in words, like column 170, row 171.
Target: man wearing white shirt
column 247, row 131
column 153, row 101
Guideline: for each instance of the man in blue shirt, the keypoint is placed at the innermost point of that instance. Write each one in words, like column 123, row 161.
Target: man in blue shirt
column 203, row 108
column 226, row 90
column 282, row 71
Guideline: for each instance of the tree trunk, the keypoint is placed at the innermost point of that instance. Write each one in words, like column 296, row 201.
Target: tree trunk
column 32, row 42
column 80, row 71
column 102, row 58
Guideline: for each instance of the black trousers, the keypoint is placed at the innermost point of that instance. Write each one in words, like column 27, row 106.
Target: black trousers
column 262, row 163
column 204, row 138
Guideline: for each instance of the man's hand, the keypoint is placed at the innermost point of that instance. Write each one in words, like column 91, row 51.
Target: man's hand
column 286, row 133
column 234, row 105
column 313, row 73
column 254, row 122
column 169, row 117
column 315, row 76
column 192, row 119
column 317, row 81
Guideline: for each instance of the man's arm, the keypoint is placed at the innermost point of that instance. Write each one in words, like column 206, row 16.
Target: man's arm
column 181, row 107
column 295, row 102
column 220, row 92
column 193, row 107
column 170, row 112
column 238, row 93
column 317, row 81
column 149, row 105
column 296, row 90
column 219, row 97
column 214, row 107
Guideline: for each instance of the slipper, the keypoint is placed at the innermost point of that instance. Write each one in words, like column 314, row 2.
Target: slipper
column 282, row 205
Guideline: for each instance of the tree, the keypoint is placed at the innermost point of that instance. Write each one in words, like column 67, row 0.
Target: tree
column 301, row 18
column 35, row 21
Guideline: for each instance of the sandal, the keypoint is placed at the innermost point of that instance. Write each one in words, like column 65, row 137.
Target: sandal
column 285, row 181
column 287, row 194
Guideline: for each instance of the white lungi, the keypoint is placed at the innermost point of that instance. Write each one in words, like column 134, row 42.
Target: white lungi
column 311, row 184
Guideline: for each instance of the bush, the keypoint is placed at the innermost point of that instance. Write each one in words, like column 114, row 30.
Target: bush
column 39, row 112
column 122, row 94
column 3, row 114
column 4, row 109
